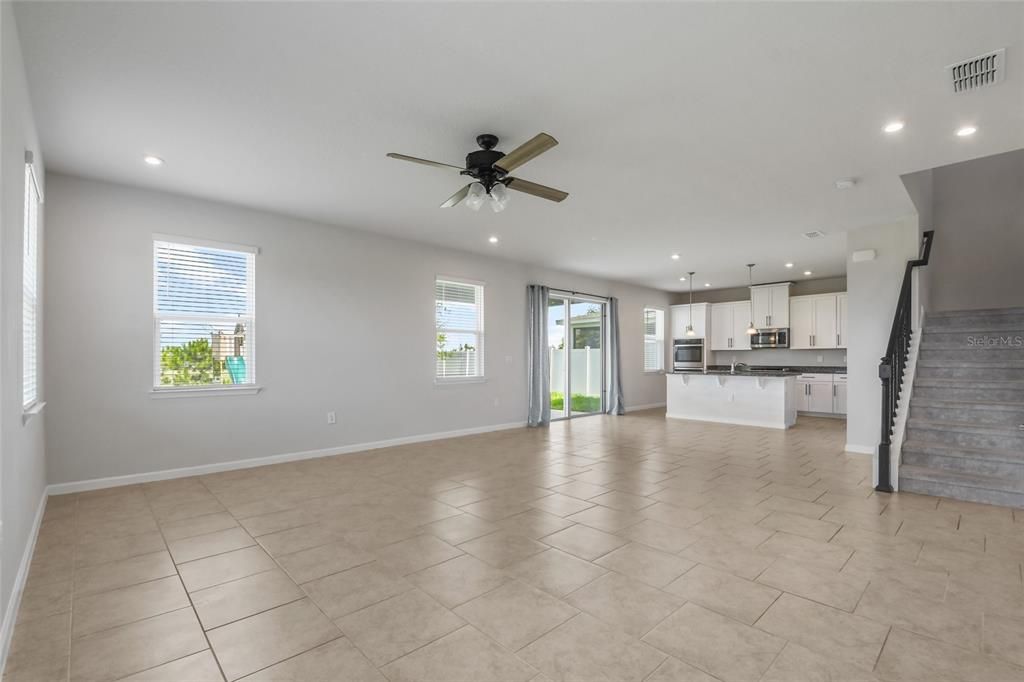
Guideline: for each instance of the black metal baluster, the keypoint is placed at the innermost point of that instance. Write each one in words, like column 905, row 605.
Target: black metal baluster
column 893, row 365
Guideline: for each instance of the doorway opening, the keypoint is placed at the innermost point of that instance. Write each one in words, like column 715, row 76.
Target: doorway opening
column 576, row 344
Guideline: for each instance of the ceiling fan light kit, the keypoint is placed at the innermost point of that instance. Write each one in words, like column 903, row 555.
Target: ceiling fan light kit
column 490, row 170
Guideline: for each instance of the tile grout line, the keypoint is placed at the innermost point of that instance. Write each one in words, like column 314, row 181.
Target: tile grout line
column 181, row 582
column 305, row 595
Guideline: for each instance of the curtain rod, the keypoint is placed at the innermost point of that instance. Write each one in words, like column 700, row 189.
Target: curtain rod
column 576, row 293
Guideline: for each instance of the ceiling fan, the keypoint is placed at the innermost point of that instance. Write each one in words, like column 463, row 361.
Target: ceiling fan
column 490, row 170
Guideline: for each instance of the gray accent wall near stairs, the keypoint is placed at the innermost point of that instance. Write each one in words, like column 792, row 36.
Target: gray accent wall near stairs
column 965, row 433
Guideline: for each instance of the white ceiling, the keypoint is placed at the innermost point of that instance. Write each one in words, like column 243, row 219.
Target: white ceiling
column 711, row 130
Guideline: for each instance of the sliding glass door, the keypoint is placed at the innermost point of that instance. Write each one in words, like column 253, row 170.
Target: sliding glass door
column 576, row 340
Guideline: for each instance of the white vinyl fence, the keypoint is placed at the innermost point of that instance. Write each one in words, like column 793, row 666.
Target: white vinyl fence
column 586, row 371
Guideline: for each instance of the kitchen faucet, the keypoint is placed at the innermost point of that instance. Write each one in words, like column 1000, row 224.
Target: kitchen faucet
column 732, row 369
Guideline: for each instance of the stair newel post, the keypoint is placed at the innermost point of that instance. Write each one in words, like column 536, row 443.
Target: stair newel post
column 885, row 374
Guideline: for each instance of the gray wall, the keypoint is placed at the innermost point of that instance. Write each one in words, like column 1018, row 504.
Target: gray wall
column 977, row 211
column 344, row 323
column 803, row 287
column 22, row 458
column 873, row 288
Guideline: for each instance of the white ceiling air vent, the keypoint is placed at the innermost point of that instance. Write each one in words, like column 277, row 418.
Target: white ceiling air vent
column 813, row 234
column 978, row 72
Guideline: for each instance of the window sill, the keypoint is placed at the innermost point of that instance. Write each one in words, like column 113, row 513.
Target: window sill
column 198, row 392
column 33, row 410
column 654, row 371
column 458, row 381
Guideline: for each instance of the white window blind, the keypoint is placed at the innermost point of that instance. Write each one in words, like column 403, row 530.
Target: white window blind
column 30, row 290
column 203, row 314
column 654, row 340
column 459, row 321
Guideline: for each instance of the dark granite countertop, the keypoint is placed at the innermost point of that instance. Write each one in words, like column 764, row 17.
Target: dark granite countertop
column 757, row 372
column 798, row 369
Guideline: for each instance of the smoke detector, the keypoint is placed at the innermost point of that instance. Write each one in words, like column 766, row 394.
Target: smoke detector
column 813, row 234
column 977, row 72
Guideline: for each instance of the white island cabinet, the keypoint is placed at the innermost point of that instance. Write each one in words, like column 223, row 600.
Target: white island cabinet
column 746, row 399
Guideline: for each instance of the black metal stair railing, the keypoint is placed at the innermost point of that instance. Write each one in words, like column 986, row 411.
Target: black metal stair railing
column 894, row 364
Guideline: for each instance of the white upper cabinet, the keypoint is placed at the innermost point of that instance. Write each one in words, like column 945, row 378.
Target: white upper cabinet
column 770, row 305
column 729, row 323
column 779, row 315
column 721, row 326
column 814, row 321
column 801, row 322
column 761, row 299
column 824, row 322
column 841, row 317
column 741, row 319
column 681, row 317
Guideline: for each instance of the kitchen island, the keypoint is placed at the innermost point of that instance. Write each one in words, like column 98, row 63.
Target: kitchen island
column 752, row 398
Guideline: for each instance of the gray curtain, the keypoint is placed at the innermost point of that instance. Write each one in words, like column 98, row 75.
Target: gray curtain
column 538, row 361
column 615, row 405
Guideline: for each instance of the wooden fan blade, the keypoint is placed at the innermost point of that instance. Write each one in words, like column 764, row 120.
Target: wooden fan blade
column 524, row 152
column 457, row 197
column 542, row 191
column 425, row 162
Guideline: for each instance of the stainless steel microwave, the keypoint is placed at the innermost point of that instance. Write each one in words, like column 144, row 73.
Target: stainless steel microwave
column 688, row 355
column 770, row 338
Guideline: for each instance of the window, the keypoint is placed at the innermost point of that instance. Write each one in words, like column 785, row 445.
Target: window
column 203, row 314
column 459, row 321
column 30, row 289
column 654, row 340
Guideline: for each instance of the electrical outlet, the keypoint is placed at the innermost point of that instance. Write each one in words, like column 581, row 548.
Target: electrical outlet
column 821, row 358
column 332, row 418
column 497, row 401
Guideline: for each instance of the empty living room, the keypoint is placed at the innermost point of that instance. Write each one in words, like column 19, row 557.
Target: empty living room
column 540, row 341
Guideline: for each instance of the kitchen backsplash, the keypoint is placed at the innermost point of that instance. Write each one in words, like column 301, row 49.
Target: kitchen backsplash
column 779, row 357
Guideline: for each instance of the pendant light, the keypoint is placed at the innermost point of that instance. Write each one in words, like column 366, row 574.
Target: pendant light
column 750, row 271
column 689, row 327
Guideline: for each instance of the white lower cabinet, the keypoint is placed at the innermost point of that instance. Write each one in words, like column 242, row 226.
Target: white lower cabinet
column 821, row 393
column 839, row 394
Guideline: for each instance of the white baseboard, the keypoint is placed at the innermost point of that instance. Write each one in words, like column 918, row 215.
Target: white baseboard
column 202, row 469
column 649, row 406
column 860, row 449
column 11, row 615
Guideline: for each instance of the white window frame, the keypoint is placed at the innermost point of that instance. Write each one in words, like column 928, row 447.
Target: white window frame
column 647, row 338
column 30, row 291
column 159, row 390
column 479, row 331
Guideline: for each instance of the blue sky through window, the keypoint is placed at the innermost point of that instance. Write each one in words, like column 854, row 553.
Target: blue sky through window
column 194, row 280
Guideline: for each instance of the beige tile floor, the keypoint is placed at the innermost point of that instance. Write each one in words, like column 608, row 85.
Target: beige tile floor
column 629, row 548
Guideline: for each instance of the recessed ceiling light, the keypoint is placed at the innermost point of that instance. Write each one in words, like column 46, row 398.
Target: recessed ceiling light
column 808, row 272
column 682, row 279
column 846, row 183
column 675, row 256
column 153, row 160
column 893, row 126
column 493, row 240
column 789, row 265
column 966, row 131
column 707, row 284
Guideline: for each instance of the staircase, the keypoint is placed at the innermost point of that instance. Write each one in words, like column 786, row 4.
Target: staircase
column 965, row 432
